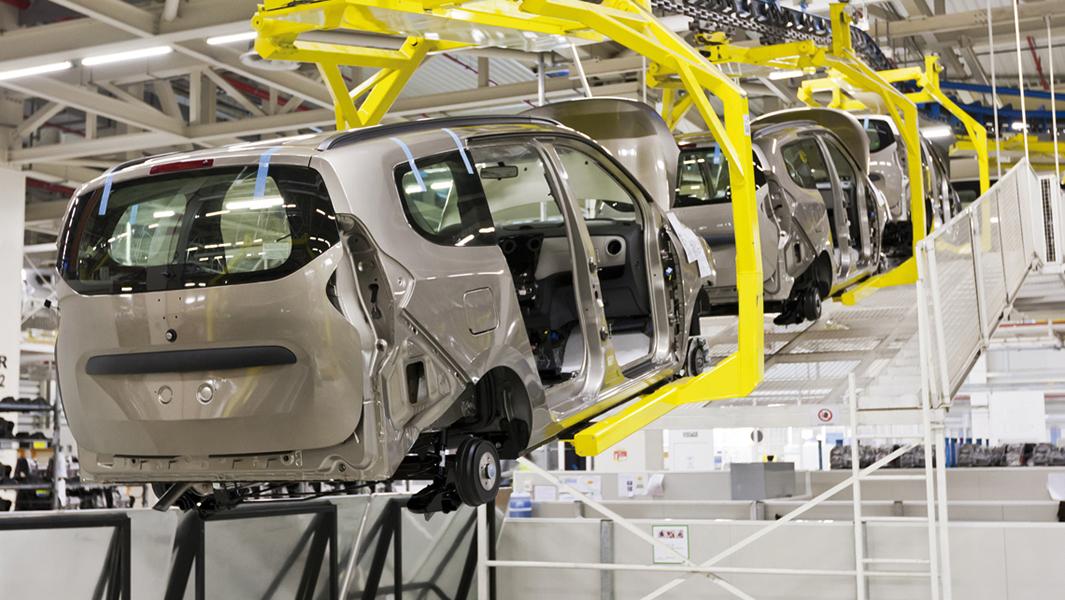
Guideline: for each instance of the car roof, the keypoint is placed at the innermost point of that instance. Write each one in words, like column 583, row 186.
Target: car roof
column 302, row 147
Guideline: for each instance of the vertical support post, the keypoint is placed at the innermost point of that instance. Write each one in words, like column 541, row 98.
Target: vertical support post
column 90, row 126
column 482, row 552
column 937, row 305
column 490, row 516
column 944, row 521
column 397, row 553
column 580, row 69
column 195, row 96
column 12, row 219
column 978, row 272
column 355, row 545
column 1020, row 75
column 994, row 94
column 643, row 78
column 484, row 79
column 929, row 436
column 541, row 80
column 1053, row 102
column 859, row 537
column 606, row 556
column 201, row 558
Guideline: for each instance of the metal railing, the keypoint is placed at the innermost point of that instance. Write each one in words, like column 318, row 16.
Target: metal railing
column 969, row 272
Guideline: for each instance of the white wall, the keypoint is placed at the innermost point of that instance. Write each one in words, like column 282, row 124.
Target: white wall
column 12, row 219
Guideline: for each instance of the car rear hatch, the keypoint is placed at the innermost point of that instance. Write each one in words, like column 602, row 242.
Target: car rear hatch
column 196, row 318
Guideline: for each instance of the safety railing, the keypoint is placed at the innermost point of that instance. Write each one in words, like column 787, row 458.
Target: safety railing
column 969, row 272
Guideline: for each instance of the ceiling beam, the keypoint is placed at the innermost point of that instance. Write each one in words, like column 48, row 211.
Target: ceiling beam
column 140, row 115
column 101, row 146
column 1030, row 13
column 234, row 93
column 967, row 54
column 34, row 121
column 81, row 38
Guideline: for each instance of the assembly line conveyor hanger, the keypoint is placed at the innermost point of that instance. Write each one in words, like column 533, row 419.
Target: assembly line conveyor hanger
column 686, row 74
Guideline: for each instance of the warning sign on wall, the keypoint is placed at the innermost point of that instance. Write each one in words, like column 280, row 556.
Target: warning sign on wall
column 824, row 415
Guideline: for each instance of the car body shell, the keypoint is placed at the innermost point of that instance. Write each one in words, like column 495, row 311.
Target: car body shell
column 792, row 237
column 342, row 409
column 888, row 171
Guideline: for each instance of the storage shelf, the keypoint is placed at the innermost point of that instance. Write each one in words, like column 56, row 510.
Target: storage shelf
column 47, row 442
column 25, row 408
column 44, row 485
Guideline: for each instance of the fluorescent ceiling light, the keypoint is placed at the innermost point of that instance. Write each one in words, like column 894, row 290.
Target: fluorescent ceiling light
column 66, row 64
column 229, row 39
column 785, row 74
column 1018, row 126
column 110, row 58
column 938, row 132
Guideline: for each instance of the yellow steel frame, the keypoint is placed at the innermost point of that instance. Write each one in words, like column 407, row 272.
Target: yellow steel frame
column 457, row 23
column 1036, row 146
column 928, row 80
column 844, row 64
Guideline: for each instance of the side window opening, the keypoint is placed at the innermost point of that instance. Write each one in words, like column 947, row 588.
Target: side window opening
column 532, row 235
column 613, row 218
column 703, row 177
column 805, row 165
column 846, row 171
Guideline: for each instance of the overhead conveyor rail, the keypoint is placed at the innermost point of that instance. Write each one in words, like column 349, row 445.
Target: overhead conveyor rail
column 846, row 68
column 774, row 24
column 542, row 25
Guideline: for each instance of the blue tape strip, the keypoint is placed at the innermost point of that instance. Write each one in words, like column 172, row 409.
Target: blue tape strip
column 133, row 214
column 717, row 154
column 462, row 151
column 866, row 124
column 107, row 194
column 410, row 161
column 264, row 168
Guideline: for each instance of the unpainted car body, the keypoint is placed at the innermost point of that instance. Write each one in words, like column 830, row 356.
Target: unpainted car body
column 800, row 228
column 348, row 307
column 889, row 172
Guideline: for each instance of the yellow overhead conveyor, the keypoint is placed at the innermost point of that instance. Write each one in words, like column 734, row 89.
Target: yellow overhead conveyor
column 845, row 67
column 541, row 25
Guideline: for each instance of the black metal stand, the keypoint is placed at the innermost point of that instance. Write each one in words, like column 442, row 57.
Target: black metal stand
column 114, row 581
column 190, row 547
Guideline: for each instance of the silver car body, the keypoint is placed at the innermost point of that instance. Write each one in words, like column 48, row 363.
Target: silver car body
column 384, row 334
column 794, row 227
column 888, row 171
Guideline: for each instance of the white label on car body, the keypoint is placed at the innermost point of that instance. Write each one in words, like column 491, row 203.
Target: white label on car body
column 693, row 247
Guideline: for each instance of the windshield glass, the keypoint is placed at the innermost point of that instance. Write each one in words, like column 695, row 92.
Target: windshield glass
column 703, row 177
column 197, row 228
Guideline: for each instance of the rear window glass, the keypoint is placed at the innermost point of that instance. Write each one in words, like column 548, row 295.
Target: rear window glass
column 879, row 133
column 703, row 177
column 197, row 229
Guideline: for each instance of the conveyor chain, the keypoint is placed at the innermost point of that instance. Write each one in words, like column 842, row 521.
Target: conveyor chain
column 774, row 23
